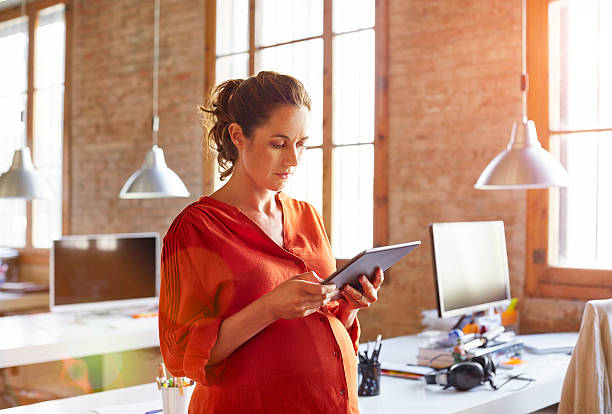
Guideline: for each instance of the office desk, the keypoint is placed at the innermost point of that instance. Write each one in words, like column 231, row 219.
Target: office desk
column 397, row 395
column 44, row 337
column 402, row 395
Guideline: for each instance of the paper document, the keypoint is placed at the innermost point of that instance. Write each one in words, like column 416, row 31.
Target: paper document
column 401, row 367
column 549, row 342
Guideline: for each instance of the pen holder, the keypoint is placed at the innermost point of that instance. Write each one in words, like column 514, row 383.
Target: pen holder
column 174, row 402
column 369, row 378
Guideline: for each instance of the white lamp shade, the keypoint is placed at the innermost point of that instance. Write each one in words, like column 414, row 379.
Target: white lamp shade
column 22, row 181
column 154, row 179
column 524, row 164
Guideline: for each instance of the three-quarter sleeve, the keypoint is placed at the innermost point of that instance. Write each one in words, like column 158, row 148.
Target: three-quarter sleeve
column 193, row 299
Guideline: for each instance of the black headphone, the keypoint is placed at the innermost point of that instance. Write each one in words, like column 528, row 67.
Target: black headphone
column 465, row 375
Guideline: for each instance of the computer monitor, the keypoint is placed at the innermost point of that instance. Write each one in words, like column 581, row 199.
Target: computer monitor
column 97, row 273
column 470, row 266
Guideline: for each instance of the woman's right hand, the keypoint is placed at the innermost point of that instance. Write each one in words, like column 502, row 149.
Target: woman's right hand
column 298, row 297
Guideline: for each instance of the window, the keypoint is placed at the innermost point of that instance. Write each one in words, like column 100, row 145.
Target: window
column 32, row 113
column 329, row 45
column 571, row 245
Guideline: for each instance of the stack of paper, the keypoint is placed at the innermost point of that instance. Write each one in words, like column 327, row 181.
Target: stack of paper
column 549, row 342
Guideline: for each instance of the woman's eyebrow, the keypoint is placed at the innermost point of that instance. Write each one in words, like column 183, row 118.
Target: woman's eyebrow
column 286, row 137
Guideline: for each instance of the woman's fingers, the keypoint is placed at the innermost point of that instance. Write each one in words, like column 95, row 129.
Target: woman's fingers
column 379, row 277
column 369, row 291
column 356, row 298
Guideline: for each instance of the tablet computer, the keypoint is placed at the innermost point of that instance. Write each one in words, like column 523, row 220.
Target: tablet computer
column 366, row 262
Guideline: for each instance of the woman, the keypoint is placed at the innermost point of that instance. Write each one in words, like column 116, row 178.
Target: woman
column 241, row 308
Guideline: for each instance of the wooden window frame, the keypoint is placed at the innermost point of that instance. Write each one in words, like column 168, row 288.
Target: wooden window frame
column 541, row 279
column 381, row 115
column 29, row 254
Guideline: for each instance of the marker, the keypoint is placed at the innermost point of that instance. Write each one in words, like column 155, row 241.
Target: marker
column 162, row 371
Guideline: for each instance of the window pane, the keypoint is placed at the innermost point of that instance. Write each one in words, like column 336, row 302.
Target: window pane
column 580, row 65
column 352, row 15
column 13, row 134
column 354, row 88
column 12, row 222
column 279, row 21
column 232, row 26
column 353, row 195
column 48, row 123
column 307, row 182
column 47, row 157
column 50, row 51
column 304, row 61
column 47, row 214
column 584, row 215
column 232, row 67
column 13, row 75
column 48, row 127
column 605, row 63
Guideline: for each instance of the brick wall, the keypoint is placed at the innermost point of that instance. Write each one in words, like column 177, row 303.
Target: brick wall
column 112, row 108
column 453, row 96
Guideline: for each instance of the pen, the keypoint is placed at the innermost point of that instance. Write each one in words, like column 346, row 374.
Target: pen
column 377, row 348
column 154, row 411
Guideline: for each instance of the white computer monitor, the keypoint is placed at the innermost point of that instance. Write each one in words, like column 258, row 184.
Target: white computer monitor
column 103, row 272
column 470, row 266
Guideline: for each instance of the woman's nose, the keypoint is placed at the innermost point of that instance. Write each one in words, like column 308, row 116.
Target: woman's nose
column 293, row 157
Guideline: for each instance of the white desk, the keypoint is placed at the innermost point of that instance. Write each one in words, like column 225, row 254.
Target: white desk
column 397, row 395
column 44, row 337
column 11, row 302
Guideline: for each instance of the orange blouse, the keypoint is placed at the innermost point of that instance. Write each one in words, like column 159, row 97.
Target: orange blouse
column 215, row 261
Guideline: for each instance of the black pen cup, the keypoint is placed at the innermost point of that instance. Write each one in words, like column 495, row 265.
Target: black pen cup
column 369, row 378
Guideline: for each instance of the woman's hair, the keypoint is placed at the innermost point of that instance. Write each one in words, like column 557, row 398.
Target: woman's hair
column 249, row 103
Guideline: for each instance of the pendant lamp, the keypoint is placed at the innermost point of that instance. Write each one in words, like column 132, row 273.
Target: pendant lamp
column 524, row 164
column 22, row 180
column 154, row 179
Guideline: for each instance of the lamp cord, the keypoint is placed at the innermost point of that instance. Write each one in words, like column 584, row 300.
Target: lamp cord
column 524, row 76
column 25, row 56
column 155, row 123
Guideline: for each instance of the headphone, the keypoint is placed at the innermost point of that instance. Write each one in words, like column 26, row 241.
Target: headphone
column 465, row 375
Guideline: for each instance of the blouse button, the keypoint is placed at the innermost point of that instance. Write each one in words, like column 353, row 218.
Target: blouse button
column 322, row 318
column 335, row 353
column 342, row 392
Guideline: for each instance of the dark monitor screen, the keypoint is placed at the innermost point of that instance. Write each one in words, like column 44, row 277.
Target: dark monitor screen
column 94, row 272
column 470, row 266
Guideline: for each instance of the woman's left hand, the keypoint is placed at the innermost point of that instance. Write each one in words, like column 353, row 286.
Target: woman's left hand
column 356, row 299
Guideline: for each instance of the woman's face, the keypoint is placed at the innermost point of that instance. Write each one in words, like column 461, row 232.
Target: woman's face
column 270, row 156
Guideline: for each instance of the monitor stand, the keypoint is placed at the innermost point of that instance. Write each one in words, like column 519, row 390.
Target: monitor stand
column 104, row 317
column 97, row 317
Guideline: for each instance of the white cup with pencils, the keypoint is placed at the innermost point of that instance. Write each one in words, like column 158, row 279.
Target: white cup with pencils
column 176, row 392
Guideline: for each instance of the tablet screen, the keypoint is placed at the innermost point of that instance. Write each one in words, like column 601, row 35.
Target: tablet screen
column 366, row 262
